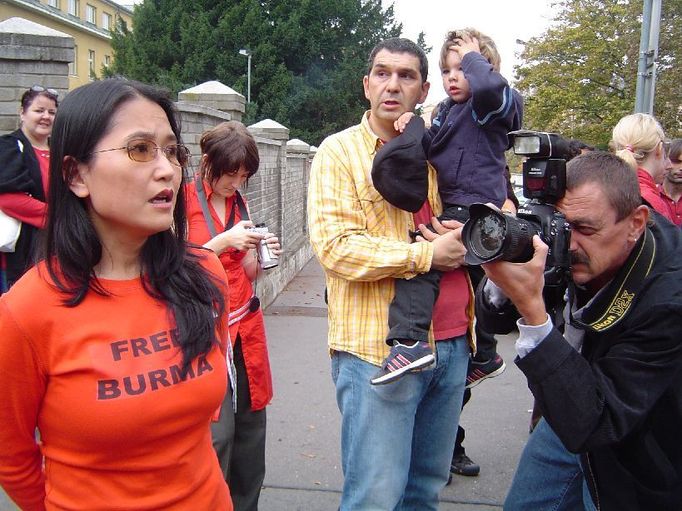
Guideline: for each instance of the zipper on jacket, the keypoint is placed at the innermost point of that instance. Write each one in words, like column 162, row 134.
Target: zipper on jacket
column 592, row 481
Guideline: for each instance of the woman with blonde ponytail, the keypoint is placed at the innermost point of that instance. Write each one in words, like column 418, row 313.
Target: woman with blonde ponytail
column 640, row 141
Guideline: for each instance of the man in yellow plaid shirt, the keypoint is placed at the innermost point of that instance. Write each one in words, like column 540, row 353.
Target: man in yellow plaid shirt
column 397, row 439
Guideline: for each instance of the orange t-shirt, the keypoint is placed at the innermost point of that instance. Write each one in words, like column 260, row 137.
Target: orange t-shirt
column 119, row 427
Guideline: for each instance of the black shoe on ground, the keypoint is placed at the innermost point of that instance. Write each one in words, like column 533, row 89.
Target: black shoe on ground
column 403, row 359
column 462, row 465
column 479, row 371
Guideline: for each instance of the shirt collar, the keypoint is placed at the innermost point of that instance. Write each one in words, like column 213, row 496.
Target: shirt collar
column 661, row 190
column 371, row 140
column 645, row 178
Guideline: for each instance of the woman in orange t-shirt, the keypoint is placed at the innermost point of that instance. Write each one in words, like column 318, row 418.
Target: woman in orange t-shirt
column 114, row 346
column 221, row 223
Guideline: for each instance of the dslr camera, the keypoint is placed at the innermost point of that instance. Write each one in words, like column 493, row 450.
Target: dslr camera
column 489, row 234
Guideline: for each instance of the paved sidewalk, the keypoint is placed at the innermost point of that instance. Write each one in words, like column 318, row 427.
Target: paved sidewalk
column 303, row 456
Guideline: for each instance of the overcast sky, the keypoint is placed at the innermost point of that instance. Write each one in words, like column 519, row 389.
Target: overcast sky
column 503, row 20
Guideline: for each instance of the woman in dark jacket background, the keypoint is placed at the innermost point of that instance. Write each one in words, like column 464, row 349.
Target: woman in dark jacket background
column 24, row 164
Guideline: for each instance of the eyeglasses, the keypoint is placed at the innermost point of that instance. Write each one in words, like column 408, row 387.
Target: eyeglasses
column 144, row 151
column 40, row 88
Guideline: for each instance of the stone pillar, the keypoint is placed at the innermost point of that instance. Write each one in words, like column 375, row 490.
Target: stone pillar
column 216, row 95
column 267, row 128
column 30, row 54
column 296, row 146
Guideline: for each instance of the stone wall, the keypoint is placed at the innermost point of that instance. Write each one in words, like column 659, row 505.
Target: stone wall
column 30, row 54
column 276, row 193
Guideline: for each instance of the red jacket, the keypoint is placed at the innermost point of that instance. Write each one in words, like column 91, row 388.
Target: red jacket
column 649, row 192
column 251, row 328
column 674, row 207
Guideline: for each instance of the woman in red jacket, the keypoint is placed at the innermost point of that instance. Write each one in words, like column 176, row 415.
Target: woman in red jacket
column 639, row 140
column 218, row 219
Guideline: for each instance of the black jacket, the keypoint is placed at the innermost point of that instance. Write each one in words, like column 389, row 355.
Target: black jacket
column 467, row 141
column 20, row 172
column 619, row 402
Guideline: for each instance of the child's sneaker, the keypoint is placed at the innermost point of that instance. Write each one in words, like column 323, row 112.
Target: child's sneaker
column 402, row 360
column 479, row 371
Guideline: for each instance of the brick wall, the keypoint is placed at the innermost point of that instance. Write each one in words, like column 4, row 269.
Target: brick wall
column 276, row 193
column 30, row 54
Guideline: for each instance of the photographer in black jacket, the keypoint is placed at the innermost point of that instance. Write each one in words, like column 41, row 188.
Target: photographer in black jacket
column 610, row 384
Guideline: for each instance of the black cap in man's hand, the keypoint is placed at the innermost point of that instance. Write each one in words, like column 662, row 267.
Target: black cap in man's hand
column 399, row 170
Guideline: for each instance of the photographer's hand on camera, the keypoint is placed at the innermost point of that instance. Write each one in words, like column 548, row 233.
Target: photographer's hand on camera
column 239, row 237
column 523, row 283
column 448, row 249
column 272, row 242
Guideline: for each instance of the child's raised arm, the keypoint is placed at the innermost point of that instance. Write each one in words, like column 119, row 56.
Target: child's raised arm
column 465, row 44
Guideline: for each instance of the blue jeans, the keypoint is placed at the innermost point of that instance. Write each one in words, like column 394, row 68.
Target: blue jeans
column 397, row 439
column 549, row 477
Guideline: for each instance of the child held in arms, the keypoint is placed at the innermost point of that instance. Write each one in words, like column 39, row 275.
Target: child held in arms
column 466, row 144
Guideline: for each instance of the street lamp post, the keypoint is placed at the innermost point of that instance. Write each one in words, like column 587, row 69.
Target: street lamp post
column 247, row 53
column 648, row 55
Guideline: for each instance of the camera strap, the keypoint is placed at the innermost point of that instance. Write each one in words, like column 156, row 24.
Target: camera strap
column 254, row 302
column 203, row 201
column 613, row 303
column 243, row 213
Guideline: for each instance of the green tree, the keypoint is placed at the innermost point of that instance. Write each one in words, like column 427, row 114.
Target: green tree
column 579, row 77
column 307, row 55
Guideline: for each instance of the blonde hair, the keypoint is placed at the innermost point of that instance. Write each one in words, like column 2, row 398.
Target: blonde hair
column 635, row 136
column 485, row 43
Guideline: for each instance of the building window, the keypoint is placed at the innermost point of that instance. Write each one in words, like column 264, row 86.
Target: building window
column 91, row 64
column 107, row 60
column 73, row 66
column 53, row 3
column 90, row 14
column 74, row 8
column 106, row 21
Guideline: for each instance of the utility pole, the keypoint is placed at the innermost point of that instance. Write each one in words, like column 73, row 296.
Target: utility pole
column 247, row 53
column 648, row 54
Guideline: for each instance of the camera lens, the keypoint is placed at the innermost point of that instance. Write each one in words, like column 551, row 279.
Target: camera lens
column 487, row 235
column 490, row 235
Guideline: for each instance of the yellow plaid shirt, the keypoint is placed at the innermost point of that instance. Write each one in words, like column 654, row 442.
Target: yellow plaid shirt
column 361, row 240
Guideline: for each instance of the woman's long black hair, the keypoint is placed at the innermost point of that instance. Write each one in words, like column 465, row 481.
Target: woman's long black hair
column 72, row 247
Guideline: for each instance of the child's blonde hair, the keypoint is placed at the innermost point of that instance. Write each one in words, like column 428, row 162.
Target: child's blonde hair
column 486, row 44
column 635, row 136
